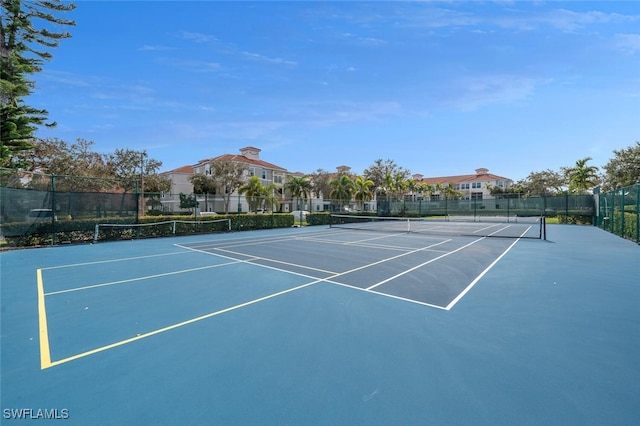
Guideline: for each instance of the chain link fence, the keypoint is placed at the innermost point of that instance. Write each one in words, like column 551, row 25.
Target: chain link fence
column 619, row 211
column 41, row 209
column 568, row 208
column 37, row 209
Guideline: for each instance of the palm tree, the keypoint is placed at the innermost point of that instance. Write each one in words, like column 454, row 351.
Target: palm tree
column 342, row 189
column 300, row 188
column 451, row 192
column 362, row 190
column 426, row 189
column 387, row 184
column 582, row 177
column 269, row 197
column 437, row 188
column 253, row 191
column 400, row 186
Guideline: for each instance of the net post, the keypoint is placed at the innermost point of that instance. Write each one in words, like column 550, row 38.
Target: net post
column 543, row 230
column 173, row 227
column 95, row 233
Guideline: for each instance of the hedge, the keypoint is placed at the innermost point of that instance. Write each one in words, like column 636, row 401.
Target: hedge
column 24, row 234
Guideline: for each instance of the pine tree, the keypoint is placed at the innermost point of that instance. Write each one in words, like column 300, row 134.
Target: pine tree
column 23, row 50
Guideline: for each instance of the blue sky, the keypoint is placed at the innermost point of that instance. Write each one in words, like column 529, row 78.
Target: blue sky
column 441, row 88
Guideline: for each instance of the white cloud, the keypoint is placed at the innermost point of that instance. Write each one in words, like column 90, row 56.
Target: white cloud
column 197, row 37
column 66, row 78
column 569, row 20
column 263, row 58
column 475, row 92
column 151, row 48
column 523, row 20
column 193, row 65
column 333, row 113
column 628, row 43
column 371, row 41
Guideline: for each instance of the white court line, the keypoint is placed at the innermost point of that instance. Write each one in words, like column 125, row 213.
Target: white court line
column 295, row 265
column 250, row 240
column 489, row 227
column 424, row 263
column 250, row 262
column 251, row 259
column 123, row 259
column 147, row 277
column 331, row 278
column 363, row 244
column 311, row 237
column 482, row 274
column 243, row 241
column 253, row 241
column 379, row 293
column 327, row 279
column 48, row 363
column 315, row 280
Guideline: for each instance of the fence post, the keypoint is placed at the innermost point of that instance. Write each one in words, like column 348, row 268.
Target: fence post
column 137, row 210
column 475, row 210
column 612, row 207
column 638, row 212
column 53, row 210
column 622, row 224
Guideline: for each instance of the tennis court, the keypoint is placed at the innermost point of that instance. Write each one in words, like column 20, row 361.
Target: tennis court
column 324, row 325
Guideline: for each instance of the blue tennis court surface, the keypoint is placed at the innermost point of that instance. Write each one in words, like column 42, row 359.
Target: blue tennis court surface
column 324, row 326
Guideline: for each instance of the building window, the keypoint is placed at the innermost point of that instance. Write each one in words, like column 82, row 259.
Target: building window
column 277, row 178
column 476, row 185
column 476, row 196
column 252, row 171
column 264, row 174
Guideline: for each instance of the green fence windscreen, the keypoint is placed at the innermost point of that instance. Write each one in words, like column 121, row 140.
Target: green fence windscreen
column 37, row 208
column 619, row 211
column 501, row 206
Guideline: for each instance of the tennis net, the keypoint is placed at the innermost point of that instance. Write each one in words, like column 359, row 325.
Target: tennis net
column 485, row 226
column 119, row 231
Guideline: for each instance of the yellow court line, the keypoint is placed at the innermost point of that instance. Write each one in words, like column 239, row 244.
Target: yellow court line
column 44, row 345
column 171, row 327
column 45, row 353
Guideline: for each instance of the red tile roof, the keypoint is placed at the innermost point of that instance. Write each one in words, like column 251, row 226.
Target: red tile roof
column 462, row 178
column 242, row 159
column 183, row 169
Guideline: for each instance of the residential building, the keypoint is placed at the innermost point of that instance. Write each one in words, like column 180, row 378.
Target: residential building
column 180, row 184
column 268, row 173
column 474, row 187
